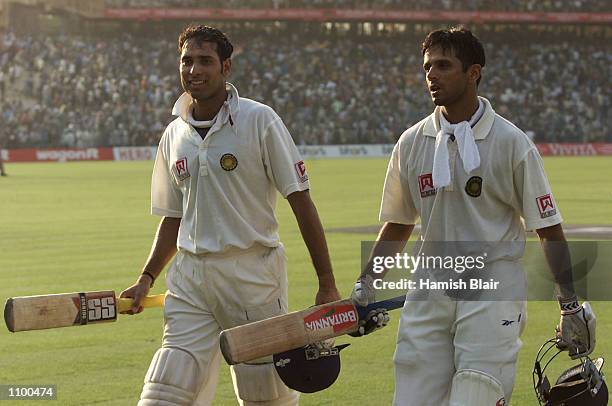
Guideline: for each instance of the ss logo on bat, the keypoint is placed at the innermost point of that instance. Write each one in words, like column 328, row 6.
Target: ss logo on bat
column 101, row 309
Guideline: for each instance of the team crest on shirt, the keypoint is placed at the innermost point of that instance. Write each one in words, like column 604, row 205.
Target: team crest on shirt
column 546, row 206
column 473, row 186
column 229, row 162
column 426, row 186
column 300, row 169
column 182, row 170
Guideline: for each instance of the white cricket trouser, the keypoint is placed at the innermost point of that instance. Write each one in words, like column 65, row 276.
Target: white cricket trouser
column 440, row 336
column 208, row 293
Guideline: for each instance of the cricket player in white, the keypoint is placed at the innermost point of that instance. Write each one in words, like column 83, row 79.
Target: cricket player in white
column 218, row 168
column 469, row 175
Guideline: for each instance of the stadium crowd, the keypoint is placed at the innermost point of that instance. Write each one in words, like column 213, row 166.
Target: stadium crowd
column 67, row 91
column 462, row 5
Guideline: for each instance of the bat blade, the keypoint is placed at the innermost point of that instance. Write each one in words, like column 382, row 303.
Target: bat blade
column 26, row 313
column 296, row 329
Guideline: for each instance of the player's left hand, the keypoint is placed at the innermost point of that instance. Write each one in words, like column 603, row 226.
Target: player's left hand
column 375, row 320
column 576, row 330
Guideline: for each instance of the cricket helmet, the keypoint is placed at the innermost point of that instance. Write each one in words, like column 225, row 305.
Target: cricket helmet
column 580, row 385
column 309, row 369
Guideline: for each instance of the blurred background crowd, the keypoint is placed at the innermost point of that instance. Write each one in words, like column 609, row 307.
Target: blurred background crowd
column 329, row 87
column 462, row 5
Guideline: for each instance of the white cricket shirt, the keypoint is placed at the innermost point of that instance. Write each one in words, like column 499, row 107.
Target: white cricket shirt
column 485, row 205
column 224, row 186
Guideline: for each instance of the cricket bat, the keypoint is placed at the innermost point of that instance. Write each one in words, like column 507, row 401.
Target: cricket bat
column 68, row 309
column 297, row 329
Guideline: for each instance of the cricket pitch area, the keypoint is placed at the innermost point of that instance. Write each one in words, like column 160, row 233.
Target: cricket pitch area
column 86, row 226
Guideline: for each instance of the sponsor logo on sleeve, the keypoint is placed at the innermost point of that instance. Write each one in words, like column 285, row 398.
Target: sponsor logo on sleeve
column 300, row 169
column 182, row 170
column 546, row 206
column 338, row 318
column 426, row 186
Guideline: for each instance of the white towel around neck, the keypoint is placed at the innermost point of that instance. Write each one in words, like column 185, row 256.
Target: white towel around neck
column 468, row 151
column 199, row 123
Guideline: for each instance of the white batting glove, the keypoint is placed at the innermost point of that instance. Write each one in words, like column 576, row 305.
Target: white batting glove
column 576, row 330
column 363, row 292
column 375, row 320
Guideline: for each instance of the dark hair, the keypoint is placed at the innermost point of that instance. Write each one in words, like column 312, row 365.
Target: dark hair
column 204, row 33
column 466, row 46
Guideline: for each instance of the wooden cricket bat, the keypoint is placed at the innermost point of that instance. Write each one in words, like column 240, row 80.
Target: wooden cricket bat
column 68, row 309
column 297, row 329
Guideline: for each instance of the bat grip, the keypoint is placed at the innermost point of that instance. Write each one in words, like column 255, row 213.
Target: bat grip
column 389, row 304
column 125, row 303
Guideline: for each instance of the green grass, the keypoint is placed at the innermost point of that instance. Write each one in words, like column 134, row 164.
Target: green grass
column 85, row 226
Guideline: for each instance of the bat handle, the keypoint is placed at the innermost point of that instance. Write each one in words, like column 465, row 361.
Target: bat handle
column 389, row 304
column 125, row 303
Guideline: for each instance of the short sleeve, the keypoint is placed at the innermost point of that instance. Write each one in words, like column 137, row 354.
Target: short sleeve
column 166, row 197
column 397, row 205
column 533, row 193
column 282, row 159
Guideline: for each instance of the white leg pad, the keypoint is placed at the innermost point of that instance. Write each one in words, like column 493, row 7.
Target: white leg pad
column 259, row 384
column 476, row 388
column 172, row 379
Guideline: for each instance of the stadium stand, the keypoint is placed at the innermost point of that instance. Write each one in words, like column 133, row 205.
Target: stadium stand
column 106, row 82
column 466, row 5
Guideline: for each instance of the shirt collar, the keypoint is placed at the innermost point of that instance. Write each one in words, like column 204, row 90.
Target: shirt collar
column 481, row 129
column 231, row 105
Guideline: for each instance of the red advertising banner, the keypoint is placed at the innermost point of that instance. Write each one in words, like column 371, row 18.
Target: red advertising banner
column 585, row 149
column 313, row 14
column 59, row 154
column 307, row 151
column 134, row 153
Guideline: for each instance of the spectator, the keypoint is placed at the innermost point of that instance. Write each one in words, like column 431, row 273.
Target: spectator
column 73, row 91
column 465, row 5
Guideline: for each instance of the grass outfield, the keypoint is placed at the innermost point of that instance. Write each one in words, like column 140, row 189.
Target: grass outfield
column 85, row 226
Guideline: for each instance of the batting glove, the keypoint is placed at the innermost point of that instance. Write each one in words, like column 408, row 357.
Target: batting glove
column 576, row 329
column 363, row 292
column 375, row 320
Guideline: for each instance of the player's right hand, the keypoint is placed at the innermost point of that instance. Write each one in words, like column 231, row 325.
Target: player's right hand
column 375, row 320
column 363, row 292
column 137, row 292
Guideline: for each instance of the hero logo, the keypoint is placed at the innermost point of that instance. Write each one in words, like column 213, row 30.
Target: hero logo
column 101, row 308
column 337, row 317
column 546, row 206
column 426, row 186
column 300, row 169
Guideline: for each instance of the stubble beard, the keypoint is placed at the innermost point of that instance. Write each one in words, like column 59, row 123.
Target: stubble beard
column 451, row 99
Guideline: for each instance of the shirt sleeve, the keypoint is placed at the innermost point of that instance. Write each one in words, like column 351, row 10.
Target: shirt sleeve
column 534, row 195
column 397, row 205
column 282, row 160
column 166, row 197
